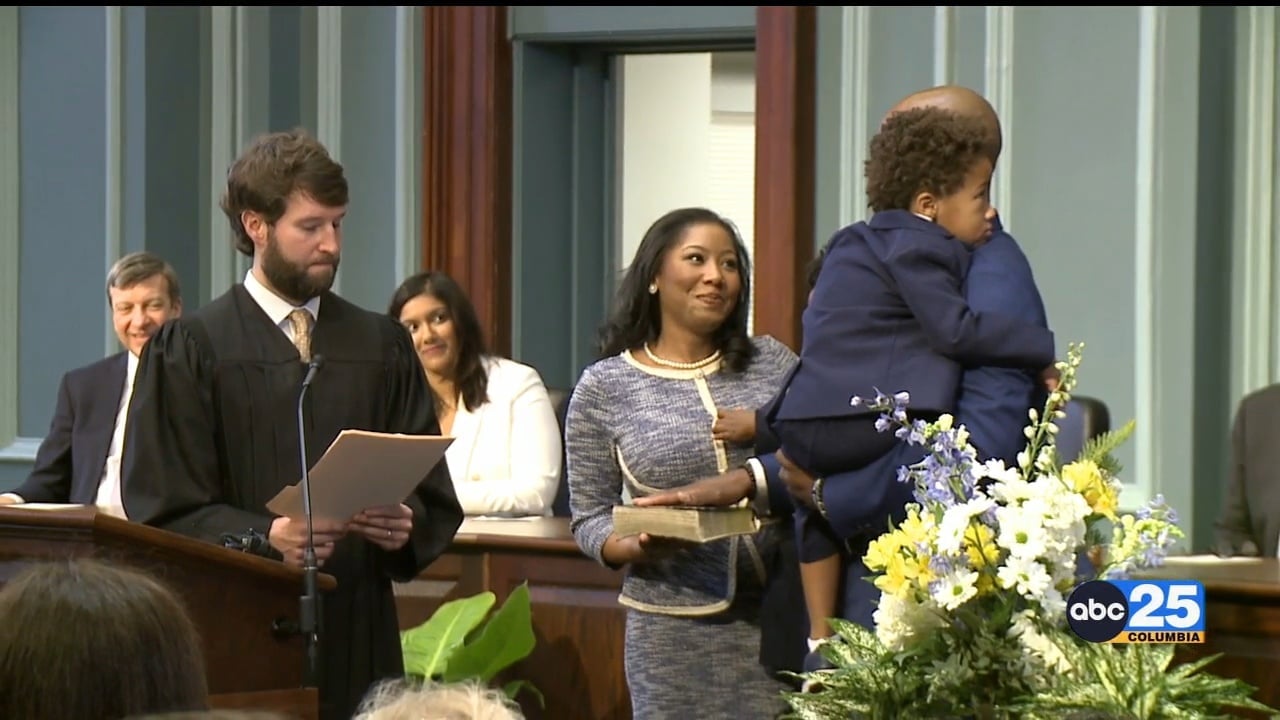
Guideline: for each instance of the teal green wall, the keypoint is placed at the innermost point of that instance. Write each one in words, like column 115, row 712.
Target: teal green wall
column 117, row 125
column 1124, row 177
column 1139, row 175
column 1125, row 136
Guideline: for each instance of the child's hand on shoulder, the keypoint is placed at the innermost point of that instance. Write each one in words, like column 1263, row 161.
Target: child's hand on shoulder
column 735, row 426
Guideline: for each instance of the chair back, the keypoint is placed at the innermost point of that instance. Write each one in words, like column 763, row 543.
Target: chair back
column 1087, row 418
column 560, row 403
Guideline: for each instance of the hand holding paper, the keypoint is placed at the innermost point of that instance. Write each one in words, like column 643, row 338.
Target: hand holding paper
column 363, row 470
column 289, row 536
column 386, row 527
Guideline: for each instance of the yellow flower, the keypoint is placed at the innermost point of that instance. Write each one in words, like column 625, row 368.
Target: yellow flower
column 894, row 580
column 916, row 567
column 1087, row 479
column 882, row 550
column 986, row 583
column 916, row 529
column 980, row 546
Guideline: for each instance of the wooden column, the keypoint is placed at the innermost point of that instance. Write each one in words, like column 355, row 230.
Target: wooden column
column 466, row 229
column 784, row 239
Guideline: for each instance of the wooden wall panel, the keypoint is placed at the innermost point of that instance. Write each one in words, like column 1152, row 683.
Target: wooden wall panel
column 466, row 229
column 784, row 239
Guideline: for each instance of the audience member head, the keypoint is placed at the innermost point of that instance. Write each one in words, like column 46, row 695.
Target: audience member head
column 395, row 700
column 935, row 163
column 144, row 294
column 213, row 715
column 85, row 639
column 285, row 199
column 446, row 332
column 690, row 274
column 963, row 101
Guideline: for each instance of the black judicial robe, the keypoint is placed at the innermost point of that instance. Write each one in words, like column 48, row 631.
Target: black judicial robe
column 212, row 437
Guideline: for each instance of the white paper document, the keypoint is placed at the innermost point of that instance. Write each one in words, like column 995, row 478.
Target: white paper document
column 363, row 469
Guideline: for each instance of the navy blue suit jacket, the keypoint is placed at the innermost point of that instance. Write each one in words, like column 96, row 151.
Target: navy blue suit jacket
column 888, row 312
column 69, row 463
column 992, row 402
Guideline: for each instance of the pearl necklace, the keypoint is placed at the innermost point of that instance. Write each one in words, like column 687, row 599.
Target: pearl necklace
column 697, row 364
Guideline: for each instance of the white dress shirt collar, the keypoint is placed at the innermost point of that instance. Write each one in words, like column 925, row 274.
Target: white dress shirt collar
column 131, row 371
column 276, row 307
column 108, row 497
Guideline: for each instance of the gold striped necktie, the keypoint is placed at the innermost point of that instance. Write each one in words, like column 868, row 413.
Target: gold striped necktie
column 301, row 321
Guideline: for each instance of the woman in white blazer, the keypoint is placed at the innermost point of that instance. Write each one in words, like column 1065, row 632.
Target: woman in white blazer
column 506, row 454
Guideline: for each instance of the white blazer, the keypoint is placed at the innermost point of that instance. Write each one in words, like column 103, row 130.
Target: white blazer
column 506, row 454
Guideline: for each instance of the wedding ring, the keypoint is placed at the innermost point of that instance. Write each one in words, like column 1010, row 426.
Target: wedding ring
column 388, row 534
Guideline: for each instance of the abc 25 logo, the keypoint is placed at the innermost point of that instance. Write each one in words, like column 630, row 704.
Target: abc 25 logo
column 1138, row 611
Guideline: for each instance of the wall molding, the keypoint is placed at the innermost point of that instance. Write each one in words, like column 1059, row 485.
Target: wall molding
column 251, row 108
column 10, row 235
column 998, row 78
column 221, row 122
column 408, row 148
column 329, row 87
column 22, row 449
column 855, row 103
column 113, row 143
column 329, row 78
column 944, row 33
column 1147, row 217
column 1256, row 260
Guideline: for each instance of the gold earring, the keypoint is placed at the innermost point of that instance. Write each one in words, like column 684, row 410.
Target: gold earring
column 653, row 288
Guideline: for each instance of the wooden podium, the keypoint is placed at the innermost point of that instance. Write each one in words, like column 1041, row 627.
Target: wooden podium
column 234, row 598
column 1242, row 618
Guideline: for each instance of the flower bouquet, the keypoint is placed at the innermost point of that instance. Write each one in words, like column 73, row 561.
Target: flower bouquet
column 971, row 621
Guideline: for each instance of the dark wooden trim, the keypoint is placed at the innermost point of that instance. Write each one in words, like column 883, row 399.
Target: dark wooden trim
column 784, row 239
column 466, row 178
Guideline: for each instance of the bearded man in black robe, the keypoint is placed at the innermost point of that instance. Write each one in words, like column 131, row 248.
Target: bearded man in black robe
column 212, row 435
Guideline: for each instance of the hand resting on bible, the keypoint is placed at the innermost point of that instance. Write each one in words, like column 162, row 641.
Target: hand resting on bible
column 386, row 527
column 721, row 490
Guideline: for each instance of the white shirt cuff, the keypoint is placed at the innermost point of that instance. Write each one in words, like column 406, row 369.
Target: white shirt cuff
column 16, row 497
column 760, row 503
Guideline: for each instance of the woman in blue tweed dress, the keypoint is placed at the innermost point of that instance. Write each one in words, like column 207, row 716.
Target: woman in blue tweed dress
column 674, row 353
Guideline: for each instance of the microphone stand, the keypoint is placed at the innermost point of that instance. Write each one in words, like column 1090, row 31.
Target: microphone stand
column 309, row 615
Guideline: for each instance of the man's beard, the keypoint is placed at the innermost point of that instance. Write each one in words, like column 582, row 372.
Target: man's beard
column 291, row 281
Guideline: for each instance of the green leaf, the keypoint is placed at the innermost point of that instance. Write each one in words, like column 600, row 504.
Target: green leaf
column 427, row 648
column 505, row 640
column 513, row 688
column 1100, row 448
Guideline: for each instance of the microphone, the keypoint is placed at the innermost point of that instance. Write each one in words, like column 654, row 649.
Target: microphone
column 309, row 614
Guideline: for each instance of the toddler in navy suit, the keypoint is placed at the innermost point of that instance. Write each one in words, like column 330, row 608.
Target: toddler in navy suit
column 888, row 314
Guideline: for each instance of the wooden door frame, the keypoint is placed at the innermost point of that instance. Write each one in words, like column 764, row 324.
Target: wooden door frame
column 467, row 162
column 786, row 72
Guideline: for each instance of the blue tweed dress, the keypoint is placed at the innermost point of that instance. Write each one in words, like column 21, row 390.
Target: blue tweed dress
column 692, row 632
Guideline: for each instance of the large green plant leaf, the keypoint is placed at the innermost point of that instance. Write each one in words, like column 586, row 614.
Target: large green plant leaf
column 505, row 640
column 513, row 688
column 428, row 648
